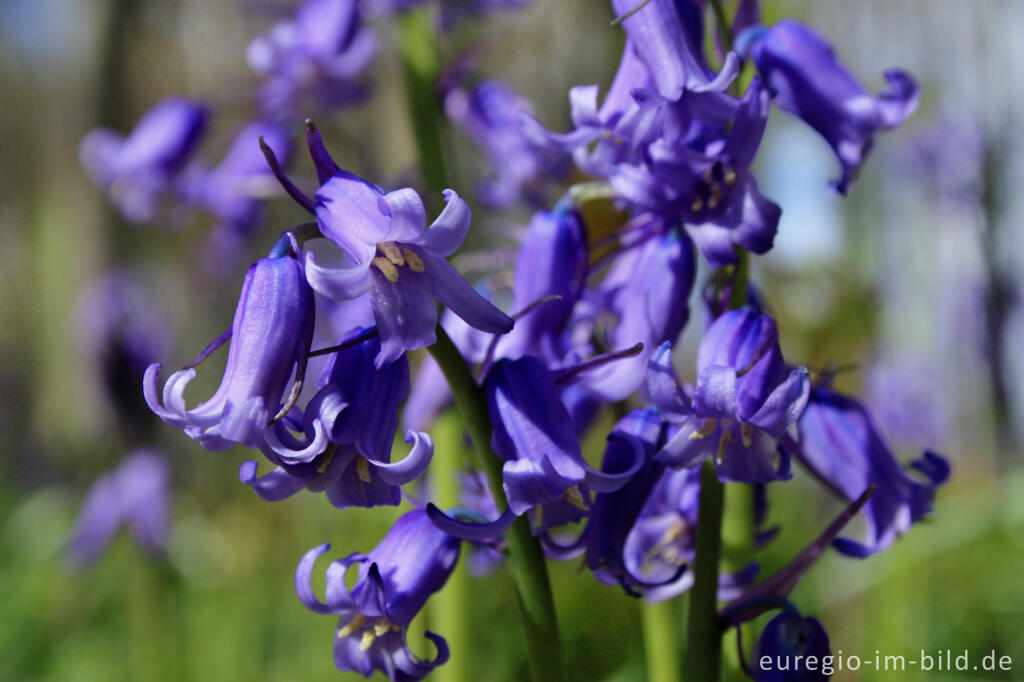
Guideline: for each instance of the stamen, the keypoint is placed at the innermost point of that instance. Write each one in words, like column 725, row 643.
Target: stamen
column 381, row 627
column 574, row 497
column 414, row 261
column 696, row 206
column 706, row 429
column 747, row 431
column 729, row 177
column 716, row 194
column 723, row 442
column 386, row 268
column 363, row 469
column 353, row 625
column 367, row 641
column 392, row 252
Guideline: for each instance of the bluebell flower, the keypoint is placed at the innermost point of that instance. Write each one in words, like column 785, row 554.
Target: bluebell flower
column 391, row 256
column 489, row 114
column 841, row 446
column 138, row 172
column 135, row 494
column 805, row 79
column 647, row 294
column 315, row 59
column 357, row 409
column 270, row 338
column 745, row 400
column 789, row 641
column 394, row 581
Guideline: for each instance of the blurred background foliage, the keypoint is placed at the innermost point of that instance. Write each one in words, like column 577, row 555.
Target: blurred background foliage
column 920, row 267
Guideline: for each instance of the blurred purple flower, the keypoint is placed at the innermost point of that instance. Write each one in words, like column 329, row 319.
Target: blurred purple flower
column 394, row 581
column 790, row 642
column 138, row 172
column 134, row 494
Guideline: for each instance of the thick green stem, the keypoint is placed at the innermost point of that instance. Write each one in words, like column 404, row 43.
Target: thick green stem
column 525, row 557
column 704, row 634
column 661, row 640
column 422, row 67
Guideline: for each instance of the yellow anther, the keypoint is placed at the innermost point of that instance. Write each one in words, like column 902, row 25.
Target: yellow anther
column 722, row 443
column 538, row 513
column 353, row 625
column 716, row 194
column 363, row 469
column 367, row 641
column 730, row 176
column 414, row 261
column 575, row 498
column 392, row 252
column 747, row 431
column 671, row 556
column 381, row 627
column 327, row 461
column 386, row 268
column 696, row 206
column 705, row 429
column 675, row 531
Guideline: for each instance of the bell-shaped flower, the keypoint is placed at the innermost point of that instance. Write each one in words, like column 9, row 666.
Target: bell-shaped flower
column 391, row 255
column 315, row 59
column 841, row 446
column 136, row 495
column 489, row 114
column 805, row 79
column 647, row 293
column 270, row 339
column 745, row 400
column 544, row 470
column 138, row 172
column 356, row 409
column 792, row 648
column 394, row 581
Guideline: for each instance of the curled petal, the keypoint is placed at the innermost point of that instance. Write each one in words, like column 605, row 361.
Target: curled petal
column 275, row 486
column 542, row 137
column 449, row 230
column 785, row 404
column 528, row 483
column 337, row 594
column 605, row 482
column 149, row 392
column 685, row 449
column 295, row 450
column 413, row 465
column 244, row 423
column 462, row 299
column 560, row 552
column 412, row 667
column 405, row 208
column 339, row 284
column 304, row 577
column 467, row 530
column 583, row 104
column 662, row 386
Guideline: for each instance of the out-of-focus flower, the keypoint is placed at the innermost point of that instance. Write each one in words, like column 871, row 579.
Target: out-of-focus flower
column 316, row 58
column 270, row 339
column 907, row 401
column 452, row 11
column 392, row 256
column 745, row 400
column 134, row 494
column 139, row 171
column 805, row 79
column 489, row 114
column 790, row 641
column 394, row 581
column 840, row 445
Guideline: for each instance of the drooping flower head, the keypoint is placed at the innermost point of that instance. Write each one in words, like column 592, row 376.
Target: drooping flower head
column 270, row 339
column 315, row 59
column 745, row 400
column 390, row 255
column 841, row 446
column 805, row 78
column 394, row 581
column 138, row 171
column 135, row 494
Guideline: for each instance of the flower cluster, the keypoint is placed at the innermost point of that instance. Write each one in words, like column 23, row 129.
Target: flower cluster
column 589, row 329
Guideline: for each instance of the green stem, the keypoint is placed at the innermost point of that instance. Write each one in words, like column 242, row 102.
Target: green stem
column 422, row 66
column 704, row 634
column 740, row 279
column 661, row 640
column 724, row 29
column 525, row 557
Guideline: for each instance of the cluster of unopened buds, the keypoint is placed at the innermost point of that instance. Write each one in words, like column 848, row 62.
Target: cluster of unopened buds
column 591, row 322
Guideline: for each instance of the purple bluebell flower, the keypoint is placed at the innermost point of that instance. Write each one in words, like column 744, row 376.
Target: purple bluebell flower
column 357, row 408
column 788, row 644
column 805, row 79
column 138, row 172
column 270, row 339
column 745, row 400
column 544, row 470
column 647, row 293
column 489, row 114
column 841, row 446
column 413, row 561
column 315, row 59
column 134, row 494
column 391, row 255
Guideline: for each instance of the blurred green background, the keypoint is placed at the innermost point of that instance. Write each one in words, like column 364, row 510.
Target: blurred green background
column 920, row 265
